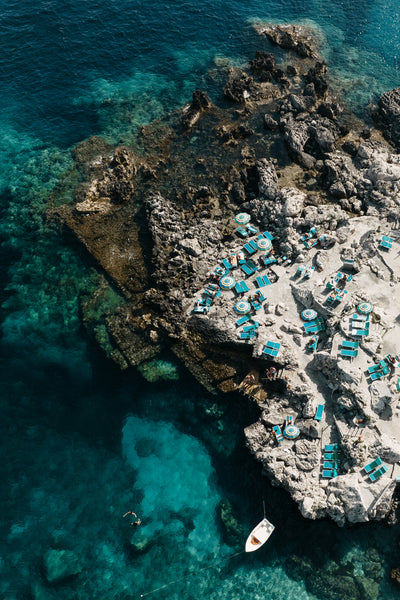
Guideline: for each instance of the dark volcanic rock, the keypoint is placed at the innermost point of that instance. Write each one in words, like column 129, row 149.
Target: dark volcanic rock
column 263, row 65
column 199, row 104
column 388, row 115
column 291, row 37
column 239, row 86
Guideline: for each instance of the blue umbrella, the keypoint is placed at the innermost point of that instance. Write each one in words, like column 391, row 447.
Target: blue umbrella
column 242, row 218
column 264, row 244
column 309, row 314
column 242, row 307
column 291, row 432
column 227, row 282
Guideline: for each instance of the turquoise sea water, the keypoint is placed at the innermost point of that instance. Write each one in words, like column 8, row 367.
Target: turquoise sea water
column 81, row 442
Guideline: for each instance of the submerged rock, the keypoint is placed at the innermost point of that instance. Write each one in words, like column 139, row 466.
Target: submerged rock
column 61, row 564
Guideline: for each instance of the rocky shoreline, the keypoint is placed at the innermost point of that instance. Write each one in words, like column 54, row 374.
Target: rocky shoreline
column 159, row 218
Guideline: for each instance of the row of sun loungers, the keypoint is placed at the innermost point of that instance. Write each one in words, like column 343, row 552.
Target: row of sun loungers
column 378, row 370
column 314, row 326
column 331, row 461
column 263, row 281
column 386, row 242
column 271, row 349
column 373, row 472
column 349, row 348
column 247, row 230
column 203, row 304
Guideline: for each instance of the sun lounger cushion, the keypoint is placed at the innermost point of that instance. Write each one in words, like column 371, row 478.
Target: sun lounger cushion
column 349, row 344
column 320, row 412
column 372, row 465
column 244, row 285
column 260, row 281
column 238, row 288
column 242, row 320
column 350, row 353
column 330, row 464
column 266, row 280
column 268, row 235
column 249, row 249
column 247, row 335
column 251, row 228
column 376, row 375
column 329, row 473
column 331, row 447
column 246, row 270
column 378, row 473
column 242, row 231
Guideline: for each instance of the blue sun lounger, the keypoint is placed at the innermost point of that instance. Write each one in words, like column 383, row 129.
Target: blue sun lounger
column 349, row 344
column 242, row 231
column 271, row 349
column 378, row 473
column 246, row 270
column 278, row 434
column 247, row 335
column 320, row 412
column 250, row 248
column 251, row 327
column 349, row 353
column 331, row 447
column 251, row 229
column 242, row 320
column 268, row 235
column 330, row 464
column 329, row 473
column 241, row 287
column 372, row 465
column 386, row 242
column 331, row 456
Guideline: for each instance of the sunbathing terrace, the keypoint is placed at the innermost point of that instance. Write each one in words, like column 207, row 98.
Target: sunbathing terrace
column 341, row 353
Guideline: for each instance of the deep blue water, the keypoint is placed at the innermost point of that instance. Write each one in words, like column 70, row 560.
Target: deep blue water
column 81, row 442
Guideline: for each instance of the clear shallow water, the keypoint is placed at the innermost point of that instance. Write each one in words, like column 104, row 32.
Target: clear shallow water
column 81, row 442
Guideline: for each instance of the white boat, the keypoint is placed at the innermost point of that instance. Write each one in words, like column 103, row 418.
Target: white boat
column 259, row 535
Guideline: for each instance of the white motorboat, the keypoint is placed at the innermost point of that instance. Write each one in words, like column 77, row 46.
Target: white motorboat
column 259, row 535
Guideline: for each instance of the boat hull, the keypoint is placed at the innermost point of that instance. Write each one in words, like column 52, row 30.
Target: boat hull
column 259, row 535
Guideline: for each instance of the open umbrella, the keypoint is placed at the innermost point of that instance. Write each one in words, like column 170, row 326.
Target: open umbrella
column 365, row 308
column 242, row 218
column 264, row 244
column 242, row 307
column 309, row 314
column 227, row 282
column 291, row 432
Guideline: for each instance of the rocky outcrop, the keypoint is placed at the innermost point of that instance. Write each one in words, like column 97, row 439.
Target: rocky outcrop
column 388, row 116
column 291, row 37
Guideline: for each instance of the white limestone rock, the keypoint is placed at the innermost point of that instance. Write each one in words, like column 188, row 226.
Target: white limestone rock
column 268, row 179
column 292, row 201
column 387, row 448
column 191, row 246
column 380, row 396
column 308, row 454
